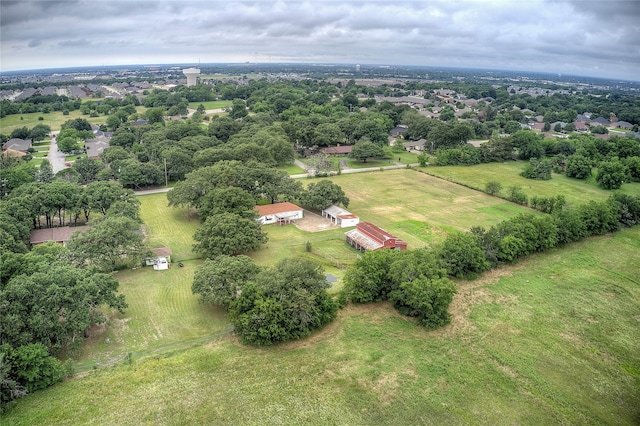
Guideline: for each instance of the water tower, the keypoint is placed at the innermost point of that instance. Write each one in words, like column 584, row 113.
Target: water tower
column 192, row 74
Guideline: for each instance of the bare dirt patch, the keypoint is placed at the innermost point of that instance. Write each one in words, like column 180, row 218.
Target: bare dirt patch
column 312, row 222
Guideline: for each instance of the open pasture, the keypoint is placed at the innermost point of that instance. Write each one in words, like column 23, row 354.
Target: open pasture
column 553, row 339
column 575, row 191
column 420, row 208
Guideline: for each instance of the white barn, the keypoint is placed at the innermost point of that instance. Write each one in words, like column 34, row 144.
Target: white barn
column 340, row 216
column 280, row 213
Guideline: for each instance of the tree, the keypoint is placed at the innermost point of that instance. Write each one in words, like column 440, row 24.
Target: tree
column 100, row 195
column 286, row 302
column 427, row 299
column 461, row 255
column 45, row 172
column 227, row 200
column 68, row 144
column 612, row 174
column 39, row 132
column 87, row 168
column 228, row 234
column 578, row 167
column 364, row 149
column 155, row 115
column 221, row 279
column 538, row 169
column 238, row 109
column 112, row 241
column 321, row 195
column 54, row 305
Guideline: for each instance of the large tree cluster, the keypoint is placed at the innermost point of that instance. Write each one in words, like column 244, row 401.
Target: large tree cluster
column 267, row 305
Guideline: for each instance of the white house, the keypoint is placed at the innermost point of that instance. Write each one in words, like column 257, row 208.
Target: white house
column 340, row 216
column 280, row 213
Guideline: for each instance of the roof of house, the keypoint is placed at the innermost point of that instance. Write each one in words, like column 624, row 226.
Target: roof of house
column 601, row 121
column 346, row 149
column 17, row 144
column 624, row 124
column 363, row 240
column 95, row 147
column 414, row 144
column 276, row 208
column 336, row 211
column 59, row 235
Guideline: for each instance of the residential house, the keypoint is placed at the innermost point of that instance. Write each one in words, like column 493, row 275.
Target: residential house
column 414, row 145
column 95, row 146
column 368, row 237
column 600, row 122
column 340, row 216
column 624, row 125
column 58, row 235
column 280, row 213
column 337, row 150
column 17, row 144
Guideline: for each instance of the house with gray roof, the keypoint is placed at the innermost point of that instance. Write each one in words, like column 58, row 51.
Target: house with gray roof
column 17, row 144
column 624, row 125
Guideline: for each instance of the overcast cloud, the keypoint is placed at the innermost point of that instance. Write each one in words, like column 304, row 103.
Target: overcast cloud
column 594, row 38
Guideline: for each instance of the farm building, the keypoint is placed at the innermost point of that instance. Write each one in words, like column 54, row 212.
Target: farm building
column 367, row 236
column 58, row 235
column 340, row 216
column 162, row 259
column 280, row 213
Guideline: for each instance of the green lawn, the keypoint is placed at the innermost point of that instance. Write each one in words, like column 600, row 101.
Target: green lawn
column 576, row 191
column 292, row 169
column 211, row 104
column 551, row 340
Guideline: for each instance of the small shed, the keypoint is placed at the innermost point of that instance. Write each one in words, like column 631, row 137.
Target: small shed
column 340, row 216
column 162, row 259
column 280, row 213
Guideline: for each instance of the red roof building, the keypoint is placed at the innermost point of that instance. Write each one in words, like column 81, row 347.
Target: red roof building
column 281, row 213
column 367, row 236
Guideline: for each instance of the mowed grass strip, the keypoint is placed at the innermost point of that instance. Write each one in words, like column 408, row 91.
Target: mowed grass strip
column 551, row 340
column 576, row 191
column 168, row 226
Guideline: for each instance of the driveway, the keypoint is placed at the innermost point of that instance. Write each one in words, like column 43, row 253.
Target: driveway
column 56, row 157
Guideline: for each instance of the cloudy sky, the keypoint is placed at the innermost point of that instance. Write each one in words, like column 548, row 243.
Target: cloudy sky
column 585, row 37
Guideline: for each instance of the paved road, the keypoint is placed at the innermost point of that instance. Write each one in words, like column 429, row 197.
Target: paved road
column 55, row 157
column 299, row 176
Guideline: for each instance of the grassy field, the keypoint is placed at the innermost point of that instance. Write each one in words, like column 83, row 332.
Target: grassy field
column 576, row 191
column 211, row 104
column 420, row 208
column 53, row 119
column 551, row 340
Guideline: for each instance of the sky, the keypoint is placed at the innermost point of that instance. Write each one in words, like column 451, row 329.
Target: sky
column 586, row 37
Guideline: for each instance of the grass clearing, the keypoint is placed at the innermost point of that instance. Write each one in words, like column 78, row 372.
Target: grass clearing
column 575, row 191
column 292, row 169
column 551, row 340
column 211, row 104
